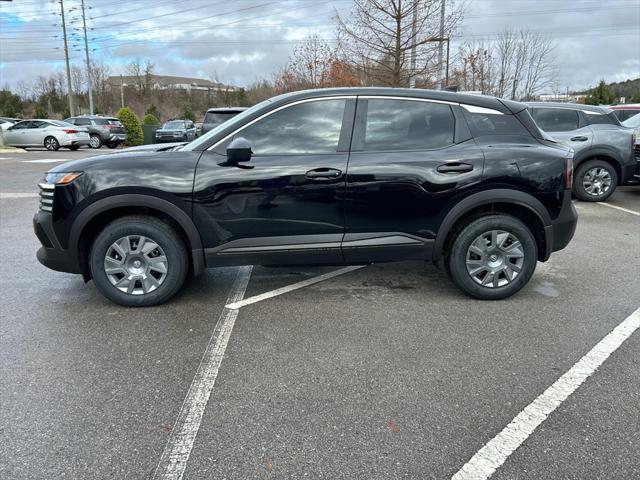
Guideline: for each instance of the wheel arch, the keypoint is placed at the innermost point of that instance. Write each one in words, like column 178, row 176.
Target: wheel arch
column 601, row 153
column 88, row 224
column 512, row 202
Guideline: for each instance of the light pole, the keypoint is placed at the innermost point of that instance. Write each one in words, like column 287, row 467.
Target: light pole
column 66, row 59
column 86, row 51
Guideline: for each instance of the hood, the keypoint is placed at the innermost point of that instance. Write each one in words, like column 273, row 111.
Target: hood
column 154, row 147
column 126, row 160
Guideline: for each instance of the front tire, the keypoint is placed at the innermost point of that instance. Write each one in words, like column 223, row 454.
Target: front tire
column 112, row 144
column 51, row 144
column 95, row 141
column 595, row 181
column 138, row 261
column 493, row 257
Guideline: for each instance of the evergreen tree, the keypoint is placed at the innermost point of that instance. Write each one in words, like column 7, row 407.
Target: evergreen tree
column 601, row 95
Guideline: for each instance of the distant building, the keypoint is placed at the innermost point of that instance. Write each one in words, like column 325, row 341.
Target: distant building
column 562, row 97
column 168, row 82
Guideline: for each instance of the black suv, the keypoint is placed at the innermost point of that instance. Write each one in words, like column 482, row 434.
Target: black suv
column 335, row 176
column 102, row 130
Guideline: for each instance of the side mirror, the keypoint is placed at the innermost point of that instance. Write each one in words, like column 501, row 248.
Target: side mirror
column 239, row 150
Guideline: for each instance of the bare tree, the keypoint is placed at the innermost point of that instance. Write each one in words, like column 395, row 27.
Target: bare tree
column 378, row 36
column 141, row 73
column 100, row 81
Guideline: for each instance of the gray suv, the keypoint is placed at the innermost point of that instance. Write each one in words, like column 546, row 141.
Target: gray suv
column 604, row 149
column 102, row 130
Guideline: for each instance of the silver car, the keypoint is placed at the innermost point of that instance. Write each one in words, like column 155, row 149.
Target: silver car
column 603, row 149
column 50, row 134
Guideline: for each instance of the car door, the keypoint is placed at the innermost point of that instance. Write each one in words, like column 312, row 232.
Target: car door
column 36, row 133
column 408, row 159
column 16, row 135
column 288, row 201
column 564, row 125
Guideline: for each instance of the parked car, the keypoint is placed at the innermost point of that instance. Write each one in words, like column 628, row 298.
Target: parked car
column 51, row 134
column 176, row 130
column 217, row 116
column 604, row 156
column 350, row 175
column 625, row 110
column 102, row 130
column 6, row 122
column 634, row 122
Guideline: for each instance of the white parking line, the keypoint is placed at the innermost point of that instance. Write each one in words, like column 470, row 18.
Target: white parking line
column 176, row 453
column 47, row 160
column 490, row 457
column 632, row 212
column 295, row 286
column 6, row 195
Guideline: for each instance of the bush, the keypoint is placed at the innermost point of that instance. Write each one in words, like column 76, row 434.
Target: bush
column 131, row 125
column 187, row 113
column 153, row 110
column 150, row 119
column 41, row 112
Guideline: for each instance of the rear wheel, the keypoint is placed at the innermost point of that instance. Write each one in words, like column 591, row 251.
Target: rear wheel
column 493, row 257
column 51, row 144
column 138, row 261
column 73, row 148
column 595, row 181
column 95, row 141
column 112, row 144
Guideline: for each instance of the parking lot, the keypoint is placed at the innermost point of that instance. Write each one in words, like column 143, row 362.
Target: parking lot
column 385, row 371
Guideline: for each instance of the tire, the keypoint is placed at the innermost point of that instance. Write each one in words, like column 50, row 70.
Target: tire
column 136, row 271
column 595, row 181
column 112, row 144
column 513, row 246
column 51, row 144
column 95, row 141
column 73, row 148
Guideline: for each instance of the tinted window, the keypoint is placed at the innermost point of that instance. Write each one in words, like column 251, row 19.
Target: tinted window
column 624, row 114
column 100, row 121
column 21, row 125
column 407, row 125
column 218, row 118
column 82, row 121
column 176, row 124
column 603, row 119
column 114, row 121
column 306, row 128
column 494, row 124
column 556, row 119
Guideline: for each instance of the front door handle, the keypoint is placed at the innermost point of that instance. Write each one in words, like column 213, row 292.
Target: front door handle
column 324, row 173
column 455, row 168
column 579, row 139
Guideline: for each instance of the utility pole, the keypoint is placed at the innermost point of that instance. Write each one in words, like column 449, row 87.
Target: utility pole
column 66, row 59
column 414, row 26
column 441, row 45
column 121, row 91
column 86, row 51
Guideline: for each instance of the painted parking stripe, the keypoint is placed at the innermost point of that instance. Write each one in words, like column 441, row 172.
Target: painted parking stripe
column 295, row 286
column 632, row 212
column 6, row 195
column 47, row 160
column 490, row 457
column 176, row 453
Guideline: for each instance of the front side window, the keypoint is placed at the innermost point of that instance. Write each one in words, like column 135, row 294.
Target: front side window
column 303, row 129
column 407, row 125
column 556, row 119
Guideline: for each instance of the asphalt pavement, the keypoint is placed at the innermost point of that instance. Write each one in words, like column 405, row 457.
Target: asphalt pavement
column 383, row 372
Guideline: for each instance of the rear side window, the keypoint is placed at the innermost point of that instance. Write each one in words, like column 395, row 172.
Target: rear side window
column 556, row 119
column 100, row 121
column 82, row 121
column 482, row 124
column 601, row 119
column 407, row 125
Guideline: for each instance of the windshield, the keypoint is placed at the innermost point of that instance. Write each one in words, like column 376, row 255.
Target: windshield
column 216, row 118
column 632, row 122
column 237, row 120
column 173, row 125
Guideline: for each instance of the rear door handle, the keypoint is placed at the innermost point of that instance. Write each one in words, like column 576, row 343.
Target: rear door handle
column 324, row 173
column 455, row 168
column 579, row 139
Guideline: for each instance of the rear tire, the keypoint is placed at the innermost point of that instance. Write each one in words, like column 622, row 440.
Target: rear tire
column 51, row 144
column 595, row 181
column 138, row 261
column 112, row 144
column 73, row 148
column 493, row 257
column 95, row 141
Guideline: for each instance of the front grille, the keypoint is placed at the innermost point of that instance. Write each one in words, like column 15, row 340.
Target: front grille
column 637, row 152
column 46, row 196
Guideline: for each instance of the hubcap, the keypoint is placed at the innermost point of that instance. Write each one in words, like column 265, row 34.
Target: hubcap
column 50, row 144
column 495, row 258
column 136, row 265
column 94, row 141
column 597, row 181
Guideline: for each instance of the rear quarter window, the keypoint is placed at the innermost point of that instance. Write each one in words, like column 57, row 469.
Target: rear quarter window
column 601, row 118
column 482, row 124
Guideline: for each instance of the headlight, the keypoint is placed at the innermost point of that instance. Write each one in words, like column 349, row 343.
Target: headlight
column 62, row 178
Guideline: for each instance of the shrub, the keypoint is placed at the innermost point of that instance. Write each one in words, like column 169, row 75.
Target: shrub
column 187, row 113
column 150, row 119
column 131, row 125
column 153, row 110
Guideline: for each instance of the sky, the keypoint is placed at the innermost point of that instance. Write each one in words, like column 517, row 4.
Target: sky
column 241, row 41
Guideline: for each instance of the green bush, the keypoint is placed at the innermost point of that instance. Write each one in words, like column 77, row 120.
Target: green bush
column 187, row 113
column 132, row 126
column 41, row 112
column 153, row 110
column 150, row 119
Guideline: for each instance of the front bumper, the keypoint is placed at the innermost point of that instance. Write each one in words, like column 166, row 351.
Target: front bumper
column 561, row 231
column 51, row 254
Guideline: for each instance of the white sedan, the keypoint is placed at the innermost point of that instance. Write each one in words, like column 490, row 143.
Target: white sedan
column 51, row 134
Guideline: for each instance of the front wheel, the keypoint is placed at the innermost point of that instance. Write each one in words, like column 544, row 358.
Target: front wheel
column 138, row 261
column 493, row 257
column 95, row 141
column 595, row 181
